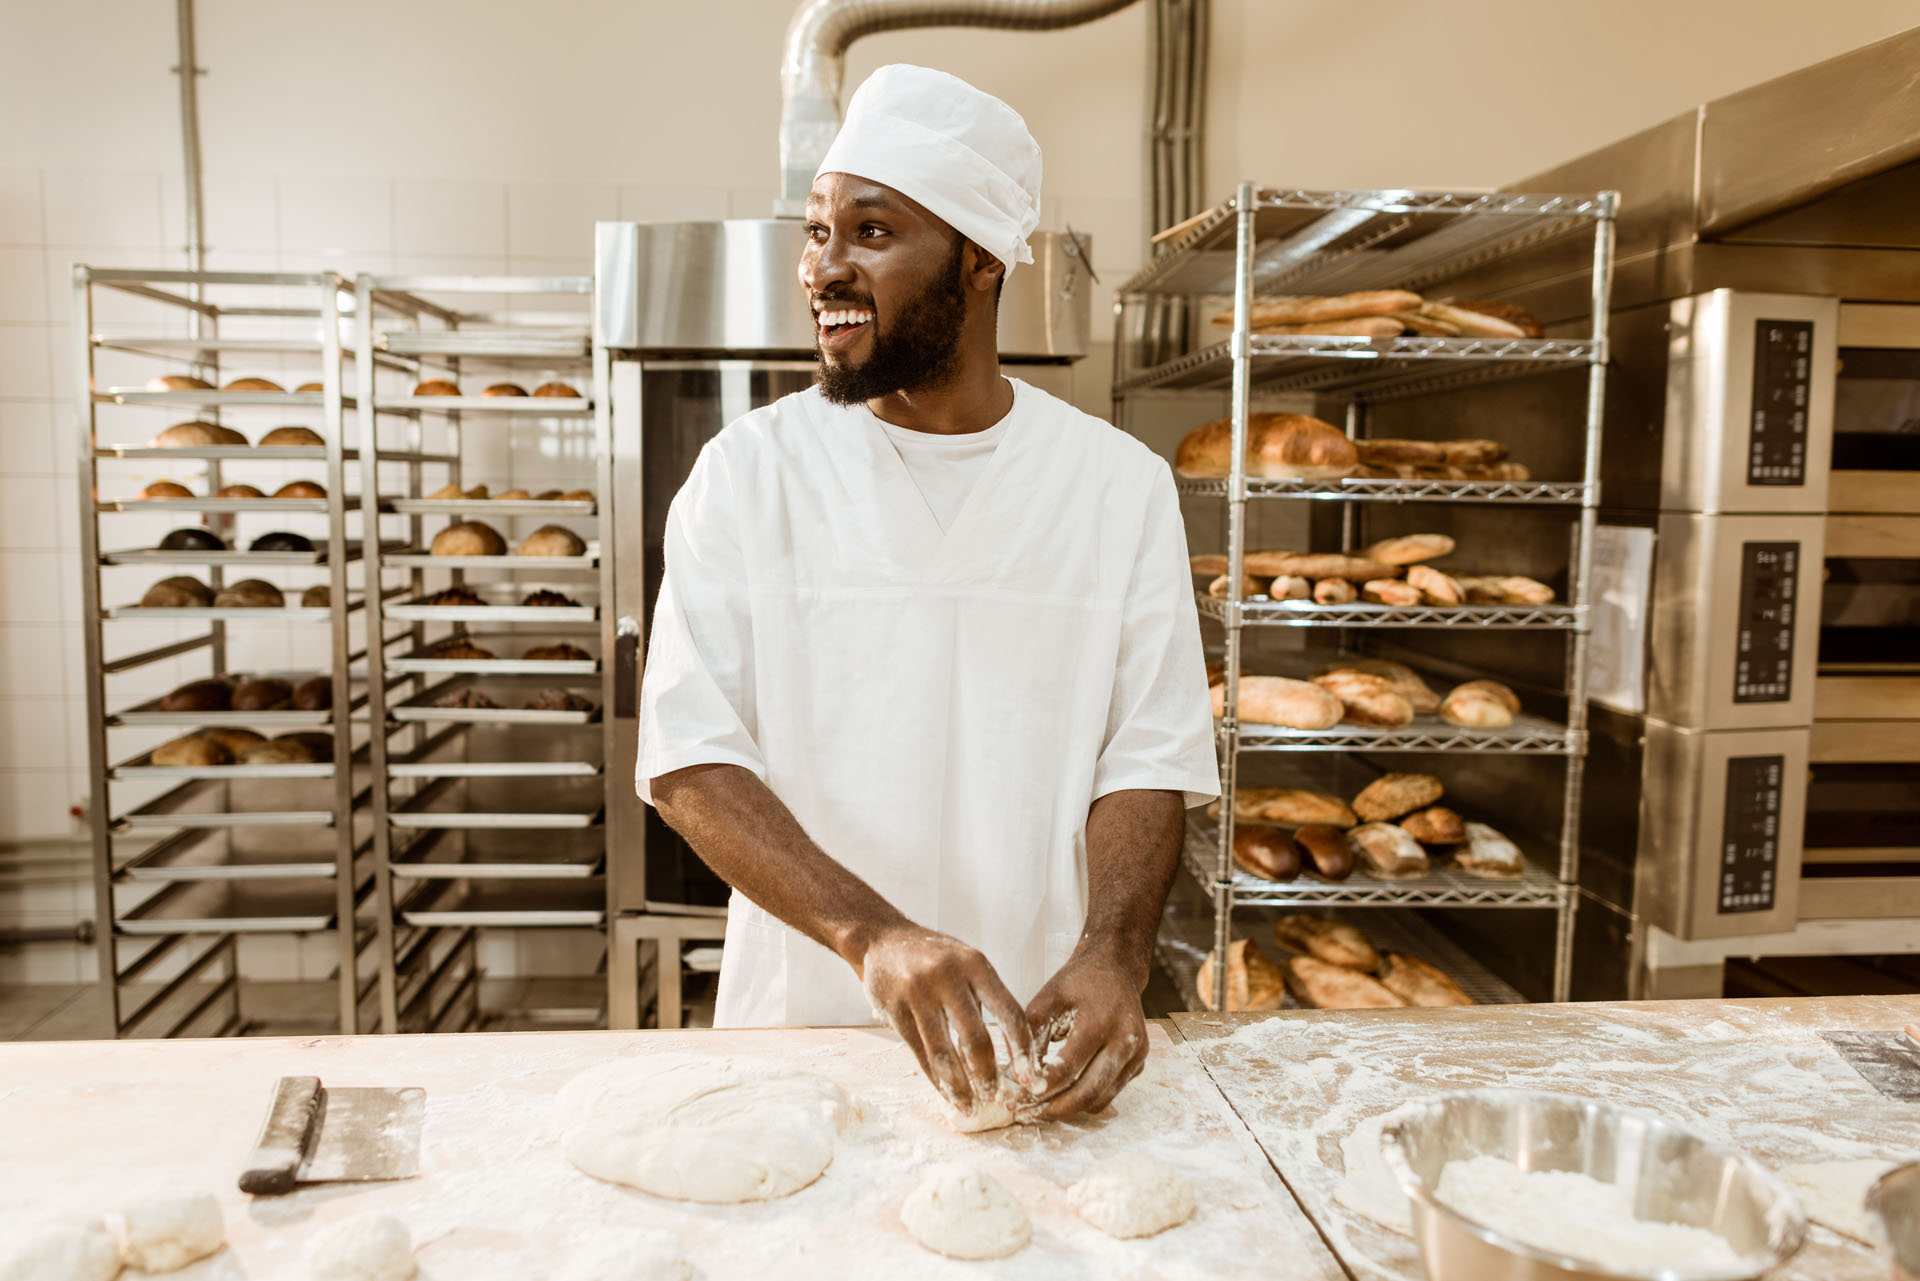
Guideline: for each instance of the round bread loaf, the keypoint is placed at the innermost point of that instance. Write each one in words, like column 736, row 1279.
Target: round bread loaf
column 318, row 596
column 1267, row 852
column 239, row 491
column 192, row 538
column 1368, row 700
column 290, row 437
column 318, row 745
column 1404, row 680
column 281, row 540
column 577, row 496
column 468, row 538
column 178, row 592
column 261, row 695
column 250, row 593
column 512, row 495
column 234, row 741
column 253, row 384
column 165, row 489
column 436, row 387
column 552, row 540
column 195, row 434
column 1480, row 705
column 191, row 749
column 505, row 389
column 178, row 382
column 314, row 694
column 1436, row 825
column 312, row 386
column 557, row 389
column 199, row 696
column 300, row 489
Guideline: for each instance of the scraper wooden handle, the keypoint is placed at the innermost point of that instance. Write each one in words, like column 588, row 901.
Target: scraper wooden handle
column 285, row 1139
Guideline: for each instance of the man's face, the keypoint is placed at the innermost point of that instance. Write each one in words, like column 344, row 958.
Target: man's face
column 884, row 281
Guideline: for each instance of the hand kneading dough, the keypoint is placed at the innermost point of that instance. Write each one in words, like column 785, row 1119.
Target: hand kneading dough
column 963, row 1212
column 170, row 1228
column 373, row 1247
column 81, row 1251
column 628, row 1254
column 1133, row 1195
column 698, row 1128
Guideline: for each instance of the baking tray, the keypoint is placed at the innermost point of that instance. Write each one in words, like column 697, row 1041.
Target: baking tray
column 173, row 810
column 141, row 768
column 484, row 854
column 509, row 904
column 223, row 506
column 508, row 610
column 238, row 559
column 554, row 564
column 421, row 707
column 235, row 453
column 421, row 660
column 230, row 613
column 149, row 713
column 538, row 406
column 218, row 399
column 503, row 802
column 495, row 344
column 493, row 769
column 301, row 905
column 493, row 506
column 202, row 855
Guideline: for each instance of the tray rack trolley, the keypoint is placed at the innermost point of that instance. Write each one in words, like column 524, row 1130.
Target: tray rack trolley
column 489, row 806
column 1275, row 242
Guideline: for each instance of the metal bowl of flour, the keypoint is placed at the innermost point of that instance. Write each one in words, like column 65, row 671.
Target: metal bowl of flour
column 1669, row 1175
column 1893, row 1204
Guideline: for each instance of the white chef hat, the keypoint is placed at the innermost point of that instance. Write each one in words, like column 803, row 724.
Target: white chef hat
column 964, row 154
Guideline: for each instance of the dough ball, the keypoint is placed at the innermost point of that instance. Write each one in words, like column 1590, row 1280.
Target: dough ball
column 1133, row 1195
column 628, row 1254
column 373, row 1247
column 964, row 1213
column 701, row 1128
column 79, row 1251
column 170, row 1228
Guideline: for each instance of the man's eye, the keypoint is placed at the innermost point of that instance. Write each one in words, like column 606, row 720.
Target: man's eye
column 815, row 230
column 869, row 230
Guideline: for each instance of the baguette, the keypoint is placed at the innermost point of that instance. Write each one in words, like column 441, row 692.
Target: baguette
column 1279, row 446
column 1471, row 323
column 1386, row 452
column 1409, row 549
column 1253, row 981
column 1334, row 942
column 1316, row 565
column 1279, row 700
column 1309, row 309
column 1487, row 853
column 1390, row 851
column 1472, row 453
column 1209, row 565
column 1392, row 795
column 1424, row 326
column 1335, row 987
column 1326, row 848
column 1420, row 984
column 1352, row 327
column 1266, row 852
column 1512, row 313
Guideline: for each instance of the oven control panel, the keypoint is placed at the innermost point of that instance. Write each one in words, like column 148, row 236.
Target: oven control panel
column 1763, row 640
column 1782, row 386
column 1750, row 834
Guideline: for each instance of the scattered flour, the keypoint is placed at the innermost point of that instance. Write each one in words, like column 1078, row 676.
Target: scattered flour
column 1835, row 1193
column 1577, row 1216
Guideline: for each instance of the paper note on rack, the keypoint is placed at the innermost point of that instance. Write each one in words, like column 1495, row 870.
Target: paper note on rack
column 1617, row 652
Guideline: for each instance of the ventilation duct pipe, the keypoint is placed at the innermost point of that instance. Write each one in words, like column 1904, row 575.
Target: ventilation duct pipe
column 814, row 64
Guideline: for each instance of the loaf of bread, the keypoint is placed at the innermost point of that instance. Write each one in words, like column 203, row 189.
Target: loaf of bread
column 1435, row 825
column 1387, row 451
column 290, row 438
column 1479, row 705
column 277, row 751
column 1321, row 986
column 164, row 489
column 1289, row 807
column 1487, row 853
column 318, row 596
column 1390, row 591
column 464, row 596
column 1392, row 795
column 262, row 695
column 250, row 593
column 549, row 495
column 504, row 389
column 319, row 744
column 1422, row 326
column 1435, row 588
column 552, row 540
column 314, row 694
column 1253, row 981
column 1405, row 681
column 239, row 491
column 459, row 647
column 191, row 750
column 1334, row 591
column 1480, row 590
column 281, row 540
column 311, row 386
column 253, row 384
column 1409, row 549
column 1219, row 588
column 558, row 654
column 199, row 696
column 196, row 434
column 300, row 489
column 436, row 387
column 1368, row 700
column 1517, row 589
column 1278, row 446
column 577, row 496
column 468, row 538
column 1326, row 849
column 556, row 389
column 236, row 742
column 1419, row 984
column 1279, row 700
column 545, row 597
column 1208, row 565
column 1266, row 852
column 447, row 493
column 1485, row 318
column 1473, row 453
column 1309, row 309
column 512, row 496
column 1316, row 565
column 182, row 591
column 1352, row 327
column 192, row 538
column 1290, row 587
column 1334, row 942
column 178, row 382
column 1388, row 852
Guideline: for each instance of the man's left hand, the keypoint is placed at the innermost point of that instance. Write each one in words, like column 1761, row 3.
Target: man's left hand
column 1107, row 1044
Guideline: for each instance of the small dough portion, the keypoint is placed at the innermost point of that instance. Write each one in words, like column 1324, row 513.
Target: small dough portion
column 169, row 1228
column 373, row 1247
column 1133, row 1195
column 1835, row 1193
column 963, row 1212
column 79, row 1251
column 628, row 1254
column 694, row 1127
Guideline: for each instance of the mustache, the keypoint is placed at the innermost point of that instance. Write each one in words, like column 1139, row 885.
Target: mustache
column 822, row 301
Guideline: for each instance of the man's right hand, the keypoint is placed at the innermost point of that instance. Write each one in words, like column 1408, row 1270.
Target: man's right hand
column 938, row 993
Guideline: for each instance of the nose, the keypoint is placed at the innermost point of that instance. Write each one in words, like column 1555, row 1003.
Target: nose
column 823, row 264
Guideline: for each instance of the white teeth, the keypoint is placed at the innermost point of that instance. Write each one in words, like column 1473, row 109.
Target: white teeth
column 830, row 318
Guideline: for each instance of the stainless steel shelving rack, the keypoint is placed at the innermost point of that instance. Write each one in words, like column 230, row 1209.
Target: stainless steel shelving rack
column 484, row 818
column 1268, row 242
column 220, row 853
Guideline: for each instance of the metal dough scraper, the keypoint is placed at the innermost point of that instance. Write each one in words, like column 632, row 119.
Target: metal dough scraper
column 1889, row 1061
column 317, row 1135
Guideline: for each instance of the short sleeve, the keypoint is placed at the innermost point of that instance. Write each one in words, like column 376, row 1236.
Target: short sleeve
column 697, row 692
column 1160, row 721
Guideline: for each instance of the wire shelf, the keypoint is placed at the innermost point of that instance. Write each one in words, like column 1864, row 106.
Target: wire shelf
column 1259, row 611
column 1384, row 490
column 1374, row 368
column 1527, row 736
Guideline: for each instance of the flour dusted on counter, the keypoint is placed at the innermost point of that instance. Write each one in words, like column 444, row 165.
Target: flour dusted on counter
column 1575, row 1215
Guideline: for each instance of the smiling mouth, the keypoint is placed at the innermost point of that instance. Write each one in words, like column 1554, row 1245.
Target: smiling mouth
column 838, row 325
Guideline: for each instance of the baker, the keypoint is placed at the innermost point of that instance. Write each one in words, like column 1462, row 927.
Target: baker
column 925, row 683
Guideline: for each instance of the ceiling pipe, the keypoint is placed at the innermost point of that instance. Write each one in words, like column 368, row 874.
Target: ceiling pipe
column 190, row 71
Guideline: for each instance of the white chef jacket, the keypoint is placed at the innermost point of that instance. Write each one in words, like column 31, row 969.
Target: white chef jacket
column 937, row 708
column 945, row 468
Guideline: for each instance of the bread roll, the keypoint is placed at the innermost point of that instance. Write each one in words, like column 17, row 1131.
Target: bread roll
column 556, row 389
column 459, row 647
column 504, row 389
column 1473, row 453
column 1253, row 981
column 1435, row 587
column 1409, row 549
column 1318, row 985
column 552, row 540
column 1307, row 309
column 512, row 495
column 1278, row 446
column 253, row 384
column 1516, row 589
column 178, row 382
column 1480, row 590
column 290, row 437
column 199, row 696
column 250, row 593
column 277, row 751
column 577, row 496
column 178, row 592
column 1435, row 825
column 311, row 386
column 314, row 694
column 300, row 489
column 235, row 742
column 1326, row 850
column 1249, row 587
column 261, row 695
column 1368, row 700
column 436, row 387
column 1389, row 852
column 1390, row 591
column 165, row 489
column 192, row 750
column 478, row 491
column 447, row 493
column 1420, row 984
column 1487, row 853
column 192, row 538
column 318, row 596
column 1392, row 795
column 1272, row 564
column 196, row 434
column 1266, row 852
column 468, row 538
column 239, row 491
column 1289, row 587
column 557, row 654
column 1388, row 452
column 1278, row 700
column 1334, row 591
column 1479, row 705
column 1334, row 942
column 280, row 540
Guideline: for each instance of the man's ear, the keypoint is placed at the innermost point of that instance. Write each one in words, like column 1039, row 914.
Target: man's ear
column 984, row 271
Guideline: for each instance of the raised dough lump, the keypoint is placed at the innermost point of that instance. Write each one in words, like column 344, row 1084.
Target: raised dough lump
column 628, row 1254
column 80, row 1251
column 1133, row 1195
column 964, row 1213
column 373, row 1247
column 699, row 1128
column 167, row 1230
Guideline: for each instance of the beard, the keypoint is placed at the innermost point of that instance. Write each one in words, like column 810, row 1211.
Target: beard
column 918, row 348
